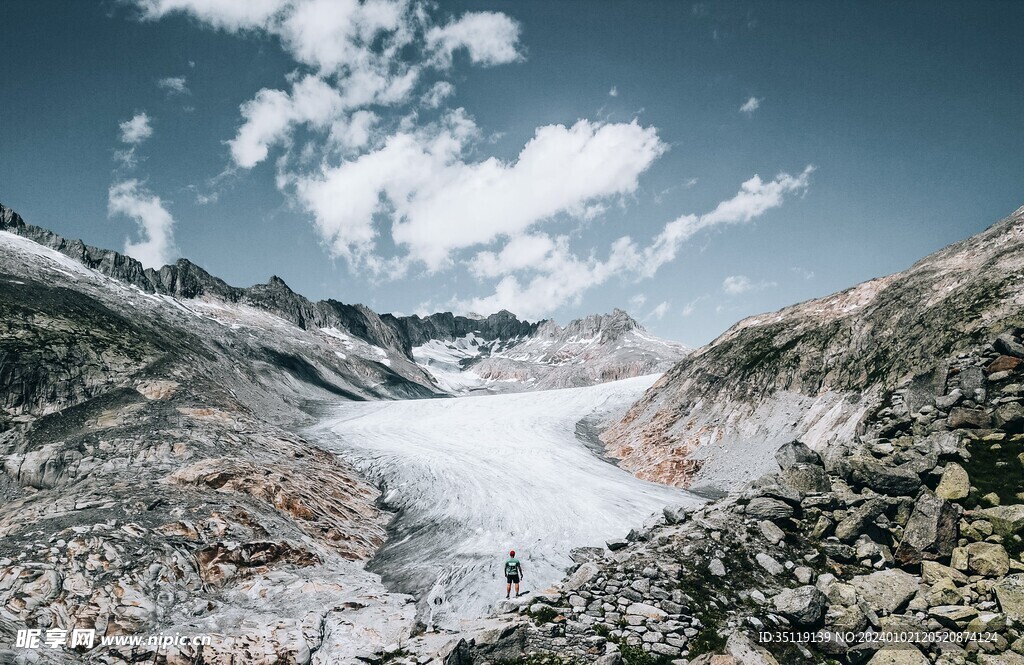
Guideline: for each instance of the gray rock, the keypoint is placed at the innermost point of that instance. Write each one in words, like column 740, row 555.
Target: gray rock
column 960, row 418
column 931, row 531
column 796, row 452
column 883, row 478
column 769, row 564
column 1006, row 520
column 674, row 514
column 886, row 590
column 855, row 523
column 923, row 388
column 585, row 554
column 955, row 483
column 946, row 402
column 772, row 509
column 1008, row 346
column 804, row 605
column 1010, row 593
column 987, row 559
column 1009, row 416
column 583, row 575
column 617, row 544
column 772, row 533
column 806, row 479
column 716, row 568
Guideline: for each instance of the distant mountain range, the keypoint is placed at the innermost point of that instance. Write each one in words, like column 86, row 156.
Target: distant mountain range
column 353, row 351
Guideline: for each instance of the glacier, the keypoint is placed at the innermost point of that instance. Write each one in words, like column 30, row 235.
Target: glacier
column 473, row 477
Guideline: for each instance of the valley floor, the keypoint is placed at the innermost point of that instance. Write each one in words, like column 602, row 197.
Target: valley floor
column 473, row 477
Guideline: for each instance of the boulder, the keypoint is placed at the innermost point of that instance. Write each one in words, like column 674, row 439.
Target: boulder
column 796, row 452
column 864, row 471
column 804, row 605
column 933, row 571
column 953, row 616
column 855, row 523
column 645, row 610
column 772, row 533
column 1006, row 520
column 1005, row 658
column 931, row 531
column 960, row 418
column 955, row 483
column 806, row 479
column 769, row 564
column 617, row 544
column 585, row 554
column 674, row 514
column 1010, row 594
column 1008, row 346
column 1009, row 416
column 886, row 590
column 771, row 509
column 988, row 559
column 748, row 652
column 1003, row 363
column 583, row 575
column 946, row 402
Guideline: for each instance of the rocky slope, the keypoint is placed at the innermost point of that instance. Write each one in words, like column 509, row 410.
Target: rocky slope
column 153, row 477
column 902, row 546
column 814, row 370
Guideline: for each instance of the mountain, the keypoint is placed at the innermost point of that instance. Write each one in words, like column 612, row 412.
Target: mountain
column 814, row 371
column 156, row 471
column 431, row 353
column 595, row 349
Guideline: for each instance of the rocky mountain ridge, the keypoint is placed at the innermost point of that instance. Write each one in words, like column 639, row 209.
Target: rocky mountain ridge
column 815, row 370
column 398, row 336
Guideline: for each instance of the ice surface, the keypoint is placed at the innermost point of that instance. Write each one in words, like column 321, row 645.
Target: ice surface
column 474, row 477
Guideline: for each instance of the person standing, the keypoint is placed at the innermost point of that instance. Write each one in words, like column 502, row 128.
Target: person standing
column 513, row 573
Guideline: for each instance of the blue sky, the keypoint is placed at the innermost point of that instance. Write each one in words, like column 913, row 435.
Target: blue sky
column 474, row 155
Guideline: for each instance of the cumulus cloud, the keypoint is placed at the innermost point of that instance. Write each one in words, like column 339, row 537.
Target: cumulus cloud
column 174, row 85
column 559, row 277
column 614, row 92
column 155, row 224
column 223, row 14
column 136, row 130
column 439, row 202
column 437, row 94
column 750, row 106
column 734, row 285
column 490, row 38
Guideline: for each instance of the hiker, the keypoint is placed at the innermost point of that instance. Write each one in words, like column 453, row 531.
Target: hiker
column 513, row 573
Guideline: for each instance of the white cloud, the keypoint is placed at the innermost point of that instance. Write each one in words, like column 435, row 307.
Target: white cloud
column 437, row 94
column 750, row 106
column 734, row 285
column 174, row 85
column 803, row 272
column 614, row 92
column 439, row 203
column 136, row 130
column 131, row 199
column 557, row 277
column 638, row 300
column 490, row 38
column 660, row 311
column 224, row 14
column 271, row 115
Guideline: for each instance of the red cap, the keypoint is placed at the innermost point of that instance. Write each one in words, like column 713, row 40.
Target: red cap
column 512, row 553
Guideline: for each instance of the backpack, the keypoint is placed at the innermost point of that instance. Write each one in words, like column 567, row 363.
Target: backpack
column 512, row 567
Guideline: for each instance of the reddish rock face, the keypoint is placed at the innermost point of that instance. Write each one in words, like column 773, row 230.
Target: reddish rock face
column 1003, row 364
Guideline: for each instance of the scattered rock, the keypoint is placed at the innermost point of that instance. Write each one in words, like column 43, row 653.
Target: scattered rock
column 804, row 605
column 955, row 483
column 886, row 590
column 931, row 531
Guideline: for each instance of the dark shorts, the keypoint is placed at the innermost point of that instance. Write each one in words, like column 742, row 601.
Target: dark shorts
column 512, row 579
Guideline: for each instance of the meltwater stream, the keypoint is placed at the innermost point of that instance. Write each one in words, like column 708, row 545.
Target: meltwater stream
column 473, row 477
